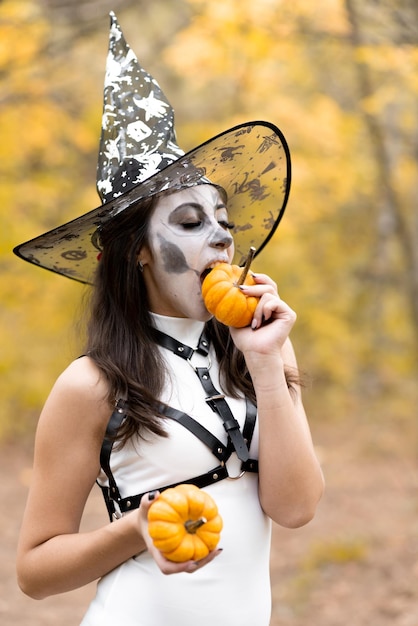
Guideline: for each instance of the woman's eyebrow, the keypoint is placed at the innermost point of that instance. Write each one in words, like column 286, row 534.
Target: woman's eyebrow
column 197, row 206
column 187, row 205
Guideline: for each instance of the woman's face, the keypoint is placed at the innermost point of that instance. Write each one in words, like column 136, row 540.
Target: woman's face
column 188, row 233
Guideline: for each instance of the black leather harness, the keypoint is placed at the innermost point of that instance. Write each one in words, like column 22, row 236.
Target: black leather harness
column 237, row 441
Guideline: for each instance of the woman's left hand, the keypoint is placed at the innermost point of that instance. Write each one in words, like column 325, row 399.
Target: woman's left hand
column 167, row 567
column 272, row 322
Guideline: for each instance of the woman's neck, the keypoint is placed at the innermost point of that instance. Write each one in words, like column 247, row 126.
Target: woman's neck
column 185, row 330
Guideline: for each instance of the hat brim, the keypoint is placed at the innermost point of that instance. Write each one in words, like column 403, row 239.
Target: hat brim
column 250, row 161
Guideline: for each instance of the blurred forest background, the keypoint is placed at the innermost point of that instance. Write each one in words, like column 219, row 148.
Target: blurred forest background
column 340, row 79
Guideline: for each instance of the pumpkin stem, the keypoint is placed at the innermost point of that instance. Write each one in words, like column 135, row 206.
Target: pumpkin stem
column 192, row 525
column 246, row 266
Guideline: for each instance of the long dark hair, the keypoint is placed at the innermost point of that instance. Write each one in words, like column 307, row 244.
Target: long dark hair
column 119, row 337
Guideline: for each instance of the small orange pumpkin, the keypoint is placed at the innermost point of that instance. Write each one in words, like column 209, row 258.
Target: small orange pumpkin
column 224, row 299
column 184, row 523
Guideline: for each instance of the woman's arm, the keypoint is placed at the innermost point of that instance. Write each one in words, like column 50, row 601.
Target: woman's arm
column 53, row 556
column 290, row 478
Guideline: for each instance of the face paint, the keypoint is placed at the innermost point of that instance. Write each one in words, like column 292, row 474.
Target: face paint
column 188, row 232
column 172, row 257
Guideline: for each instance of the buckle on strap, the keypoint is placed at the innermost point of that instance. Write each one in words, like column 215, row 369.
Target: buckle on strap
column 216, row 396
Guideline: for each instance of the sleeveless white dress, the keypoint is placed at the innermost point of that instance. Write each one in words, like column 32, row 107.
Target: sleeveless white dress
column 232, row 590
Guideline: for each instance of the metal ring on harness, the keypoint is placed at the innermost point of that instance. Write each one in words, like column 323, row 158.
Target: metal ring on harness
column 236, row 477
column 209, row 365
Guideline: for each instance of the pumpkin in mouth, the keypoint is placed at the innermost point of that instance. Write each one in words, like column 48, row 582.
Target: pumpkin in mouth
column 223, row 297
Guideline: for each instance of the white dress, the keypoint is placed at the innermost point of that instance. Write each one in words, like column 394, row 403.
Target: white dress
column 232, row 590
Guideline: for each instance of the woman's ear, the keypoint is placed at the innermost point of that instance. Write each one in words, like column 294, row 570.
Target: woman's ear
column 143, row 257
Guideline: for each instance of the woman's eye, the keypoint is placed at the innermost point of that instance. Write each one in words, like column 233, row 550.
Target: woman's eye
column 191, row 225
column 227, row 225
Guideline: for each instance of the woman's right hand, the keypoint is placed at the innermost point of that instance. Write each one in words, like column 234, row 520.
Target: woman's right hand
column 167, row 567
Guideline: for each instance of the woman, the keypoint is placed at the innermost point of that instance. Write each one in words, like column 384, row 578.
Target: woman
column 112, row 414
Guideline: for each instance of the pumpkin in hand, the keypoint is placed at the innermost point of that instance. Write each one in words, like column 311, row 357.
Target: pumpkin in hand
column 184, row 523
column 223, row 297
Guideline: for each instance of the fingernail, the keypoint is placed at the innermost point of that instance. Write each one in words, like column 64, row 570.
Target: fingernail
column 254, row 324
column 243, row 287
column 151, row 495
column 192, row 567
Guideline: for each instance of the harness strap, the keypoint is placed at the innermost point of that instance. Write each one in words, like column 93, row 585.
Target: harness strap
column 240, row 442
column 214, row 399
column 250, row 420
column 181, row 349
column 213, row 443
column 117, row 505
column 113, row 426
column 204, row 480
column 215, row 475
column 217, row 403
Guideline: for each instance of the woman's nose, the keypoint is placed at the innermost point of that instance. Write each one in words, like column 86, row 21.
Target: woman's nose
column 221, row 238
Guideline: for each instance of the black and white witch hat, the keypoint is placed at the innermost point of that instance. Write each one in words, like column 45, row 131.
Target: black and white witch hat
column 139, row 157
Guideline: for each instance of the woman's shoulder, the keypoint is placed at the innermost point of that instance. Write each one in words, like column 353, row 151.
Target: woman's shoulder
column 75, row 414
column 83, row 376
column 81, row 389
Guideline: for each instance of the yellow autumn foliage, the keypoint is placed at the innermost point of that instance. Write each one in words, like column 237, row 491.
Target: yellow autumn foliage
column 338, row 257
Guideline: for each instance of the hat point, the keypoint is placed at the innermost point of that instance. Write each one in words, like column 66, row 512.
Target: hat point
column 138, row 136
column 139, row 157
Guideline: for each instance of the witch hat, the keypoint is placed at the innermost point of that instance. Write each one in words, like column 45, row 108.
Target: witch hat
column 139, row 157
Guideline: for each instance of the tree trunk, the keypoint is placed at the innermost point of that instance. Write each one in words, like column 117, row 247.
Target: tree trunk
column 392, row 217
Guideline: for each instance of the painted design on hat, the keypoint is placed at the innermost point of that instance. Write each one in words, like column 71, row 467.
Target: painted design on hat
column 139, row 157
column 138, row 138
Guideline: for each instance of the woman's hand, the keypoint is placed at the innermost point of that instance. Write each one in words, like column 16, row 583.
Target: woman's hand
column 167, row 567
column 272, row 322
